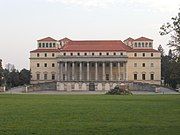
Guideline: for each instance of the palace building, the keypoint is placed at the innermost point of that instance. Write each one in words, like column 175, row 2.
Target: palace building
column 94, row 64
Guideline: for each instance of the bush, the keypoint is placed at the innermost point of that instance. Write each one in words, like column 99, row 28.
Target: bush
column 119, row 91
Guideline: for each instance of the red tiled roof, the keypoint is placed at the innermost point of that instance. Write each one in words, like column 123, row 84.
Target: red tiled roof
column 47, row 39
column 143, row 39
column 142, row 50
column 101, row 45
column 66, row 39
column 46, row 50
column 129, row 39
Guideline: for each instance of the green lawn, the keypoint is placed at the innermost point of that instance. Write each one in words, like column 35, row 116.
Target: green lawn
column 89, row 115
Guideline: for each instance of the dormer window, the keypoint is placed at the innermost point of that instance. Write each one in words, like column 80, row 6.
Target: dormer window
column 139, row 44
column 39, row 45
column 142, row 44
column 50, row 45
column 54, row 45
column 135, row 44
column 150, row 44
column 146, row 44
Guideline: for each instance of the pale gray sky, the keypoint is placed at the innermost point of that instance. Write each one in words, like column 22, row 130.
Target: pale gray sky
column 25, row 21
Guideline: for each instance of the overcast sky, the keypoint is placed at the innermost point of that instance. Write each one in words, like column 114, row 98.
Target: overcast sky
column 22, row 22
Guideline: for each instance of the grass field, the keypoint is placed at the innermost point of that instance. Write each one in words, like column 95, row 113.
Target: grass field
column 89, row 115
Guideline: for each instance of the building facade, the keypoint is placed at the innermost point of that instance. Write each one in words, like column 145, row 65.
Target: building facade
column 95, row 64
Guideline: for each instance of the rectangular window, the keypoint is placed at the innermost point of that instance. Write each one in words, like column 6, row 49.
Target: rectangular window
column 152, row 76
column 50, row 45
column 135, row 76
column 37, row 54
column 143, row 54
column 47, row 45
column 143, row 65
column 45, row 55
column 43, row 45
column 151, row 54
column 78, row 54
column 53, row 65
column 107, row 53
column 100, row 53
column 45, row 76
column 38, row 76
column 64, row 54
column 121, row 53
column 53, row 76
column 64, row 77
column 85, row 53
column 39, row 45
column 121, row 64
column 135, row 54
column 53, row 55
column 93, row 54
column 135, row 64
column 54, row 45
column 71, row 54
column 114, row 53
column 38, row 65
column 152, row 64
column 143, row 76
column 45, row 64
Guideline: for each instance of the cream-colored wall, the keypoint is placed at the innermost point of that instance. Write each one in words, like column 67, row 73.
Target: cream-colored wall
column 156, row 69
column 42, row 70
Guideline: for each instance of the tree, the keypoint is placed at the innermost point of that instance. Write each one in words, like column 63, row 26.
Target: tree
column 173, row 29
column 24, row 76
column 1, row 73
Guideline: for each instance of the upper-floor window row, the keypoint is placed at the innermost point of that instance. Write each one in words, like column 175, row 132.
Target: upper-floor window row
column 46, row 45
column 143, row 44
column 144, row 54
column 45, row 54
column 92, row 54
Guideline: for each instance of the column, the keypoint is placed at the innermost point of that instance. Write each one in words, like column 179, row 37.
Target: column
column 73, row 75
column 61, row 71
column 87, row 71
column 66, row 73
column 96, row 71
column 111, row 74
column 104, row 72
column 126, row 74
column 80, row 71
column 119, row 73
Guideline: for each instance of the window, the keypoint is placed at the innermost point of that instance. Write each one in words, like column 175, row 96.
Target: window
column 43, row 45
column 53, row 55
column 45, row 64
column 38, row 76
column 50, row 45
column 107, row 64
column 92, row 65
column 39, row 44
column 121, row 53
column 135, row 64
column 100, row 53
column 135, row 54
column 114, row 65
column 139, row 44
column 53, row 76
column 37, row 54
column 46, row 44
column 143, row 76
column 93, row 54
column 64, row 54
column 114, row 53
column 78, row 54
column 45, row 55
column 143, row 54
column 152, row 76
column 152, row 64
column 54, row 45
column 53, row 65
column 38, row 65
column 45, row 76
column 150, row 44
column 146, row 44
column 135, row 76
column 142, row 44
column 152, row 54
column 135, row 44
column 85, row 53
column 64, row 77
column 143, row 65
column 107, row 77
column 71, row 54
column 107, row 53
